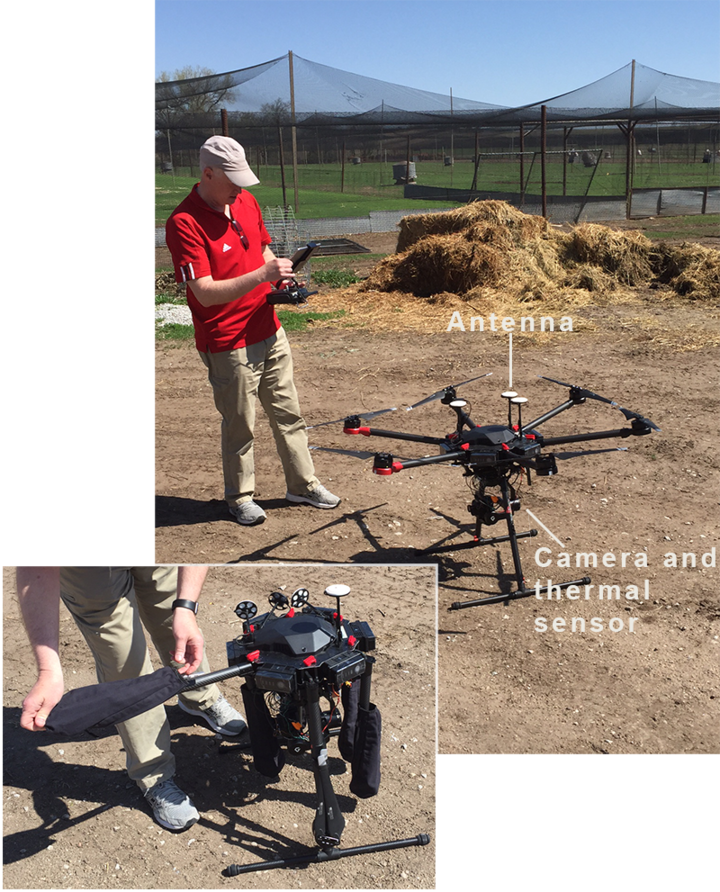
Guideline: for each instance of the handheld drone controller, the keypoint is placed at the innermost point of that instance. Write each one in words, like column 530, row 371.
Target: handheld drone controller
column 288, row 291
column 307, row 673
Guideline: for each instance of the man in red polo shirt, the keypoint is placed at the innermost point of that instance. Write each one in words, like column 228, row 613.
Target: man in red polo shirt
column 221, row 249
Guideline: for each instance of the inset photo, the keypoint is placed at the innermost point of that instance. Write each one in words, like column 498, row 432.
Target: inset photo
column 201, row 727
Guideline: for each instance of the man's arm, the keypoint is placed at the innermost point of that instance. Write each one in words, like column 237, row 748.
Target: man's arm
column 188, row 637
column 38, row 591
column 210, row 292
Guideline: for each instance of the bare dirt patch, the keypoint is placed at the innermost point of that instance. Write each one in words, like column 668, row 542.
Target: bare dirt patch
column 504, row 687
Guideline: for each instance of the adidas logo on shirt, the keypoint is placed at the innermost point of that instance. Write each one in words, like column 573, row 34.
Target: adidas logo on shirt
column 226, row 247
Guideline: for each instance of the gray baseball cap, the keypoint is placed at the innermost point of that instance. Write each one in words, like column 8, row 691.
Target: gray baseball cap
column 227, row 154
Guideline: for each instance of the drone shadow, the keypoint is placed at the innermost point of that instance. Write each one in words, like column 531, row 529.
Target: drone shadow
column 248, row 788
column 27, row 766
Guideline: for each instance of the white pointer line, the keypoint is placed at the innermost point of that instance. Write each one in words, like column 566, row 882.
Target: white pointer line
column 510, row 360
column 544, row 527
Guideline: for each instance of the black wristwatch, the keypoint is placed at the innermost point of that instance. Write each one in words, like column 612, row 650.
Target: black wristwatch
column 190, row 605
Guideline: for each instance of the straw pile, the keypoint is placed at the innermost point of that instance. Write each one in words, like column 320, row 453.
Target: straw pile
column 489, row 247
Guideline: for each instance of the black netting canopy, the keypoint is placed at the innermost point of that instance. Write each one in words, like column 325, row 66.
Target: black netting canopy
column 321, row 95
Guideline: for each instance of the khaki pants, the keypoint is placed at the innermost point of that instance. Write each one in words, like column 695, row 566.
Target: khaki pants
column 262, row 370
column 108, row 605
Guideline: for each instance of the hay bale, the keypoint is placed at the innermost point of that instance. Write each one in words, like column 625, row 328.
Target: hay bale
column 625, row 255
column 436, row 264
column 490, row 245
column 690, row 270
column 493, row 213
column 589, row 277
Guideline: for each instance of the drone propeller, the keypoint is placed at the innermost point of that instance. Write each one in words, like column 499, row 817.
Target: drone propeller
column 367, row 416
column 588, row 394
column 440, row 393
column 353, row 453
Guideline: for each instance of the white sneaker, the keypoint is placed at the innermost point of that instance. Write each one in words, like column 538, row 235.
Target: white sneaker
column 221, row 717
column 320, row 497
column 248, row 513
column 171, row 807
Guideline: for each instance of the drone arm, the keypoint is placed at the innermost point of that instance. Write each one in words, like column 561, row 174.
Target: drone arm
column 393, row 435
column 551, row 414
column 201, row 679
column 384, row 464
column 599, row 435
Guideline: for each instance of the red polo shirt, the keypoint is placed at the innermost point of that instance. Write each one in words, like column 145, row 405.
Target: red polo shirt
column 203, row 242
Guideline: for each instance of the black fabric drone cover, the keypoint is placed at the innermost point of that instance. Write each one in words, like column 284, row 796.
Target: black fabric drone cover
column 268, row 757
column 350, row 695
column 101, row 705
column 366, row 753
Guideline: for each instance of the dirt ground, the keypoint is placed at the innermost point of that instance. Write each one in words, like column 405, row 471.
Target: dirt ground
column 72, row 819
column 505, row 687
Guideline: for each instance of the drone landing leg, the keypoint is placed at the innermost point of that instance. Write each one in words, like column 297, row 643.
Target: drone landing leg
column 512, row 538
column 332, row 854
column 329, row 822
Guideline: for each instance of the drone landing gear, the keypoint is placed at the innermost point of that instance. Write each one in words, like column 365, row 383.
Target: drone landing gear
column 328, row 854
column 488, row 509
column 329, row 822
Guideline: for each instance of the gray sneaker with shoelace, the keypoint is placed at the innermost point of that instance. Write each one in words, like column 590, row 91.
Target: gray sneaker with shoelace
column 171, row 807
column 221, row 716
column 320, row 497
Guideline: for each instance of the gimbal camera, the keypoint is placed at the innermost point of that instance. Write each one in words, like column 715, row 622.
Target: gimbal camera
column 308, row 674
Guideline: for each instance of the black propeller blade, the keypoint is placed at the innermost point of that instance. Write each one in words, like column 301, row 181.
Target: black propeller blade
column 364, row 417
column 440, row 393
column 588, row 394
column 367, row 416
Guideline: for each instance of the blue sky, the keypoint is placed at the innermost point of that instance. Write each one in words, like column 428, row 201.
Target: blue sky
column 507, row 53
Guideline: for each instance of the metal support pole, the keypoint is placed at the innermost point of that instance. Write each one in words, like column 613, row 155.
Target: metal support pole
column 293, row 131
column 543, row 153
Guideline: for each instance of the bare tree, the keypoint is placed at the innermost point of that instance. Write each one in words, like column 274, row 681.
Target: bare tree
column 190, row 91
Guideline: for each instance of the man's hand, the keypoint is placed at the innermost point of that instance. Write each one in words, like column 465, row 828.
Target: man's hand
column 46, row 693
column 38, row 590
column 277, row 268
column 188, row 637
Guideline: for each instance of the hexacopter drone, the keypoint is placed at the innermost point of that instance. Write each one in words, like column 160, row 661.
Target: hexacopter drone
column 495, row 457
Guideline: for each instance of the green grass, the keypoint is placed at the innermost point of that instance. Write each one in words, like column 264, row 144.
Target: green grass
column 174, row 331
column 335, row 278
column 370, row 186
column 690, row 228
column 313, row 204
column 299, row 320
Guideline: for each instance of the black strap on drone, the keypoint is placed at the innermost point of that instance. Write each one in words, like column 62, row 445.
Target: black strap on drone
column 268, row 757
column 360, row 736
column 366, row 756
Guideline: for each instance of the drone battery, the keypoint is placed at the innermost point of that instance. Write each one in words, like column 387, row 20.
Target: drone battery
column 344, row 667
column 364, row 634
column 269, row 677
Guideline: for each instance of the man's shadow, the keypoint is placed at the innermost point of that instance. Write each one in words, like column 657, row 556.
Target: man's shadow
column 51, row 783
column 27, row 766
